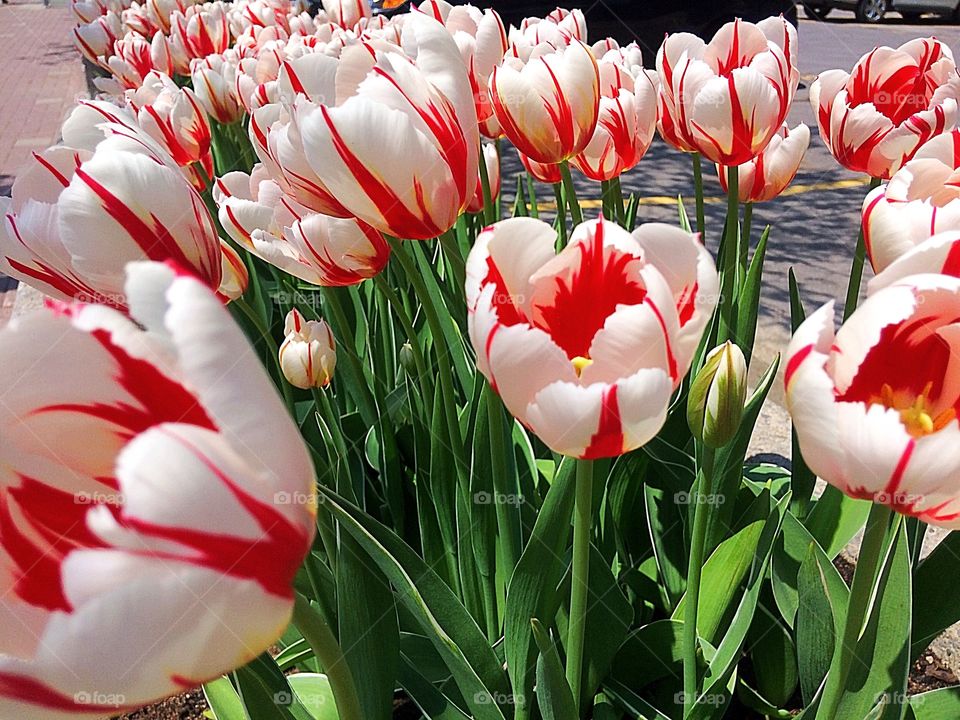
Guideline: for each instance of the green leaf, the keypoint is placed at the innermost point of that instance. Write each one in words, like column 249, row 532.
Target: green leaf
column 682, row 211
column 823, row 598
column 878, row 673
column 749, row 301
column 368, row 629
column 266, row 694
column 224, row 701
column 722, row 574
column 774, row 658
column 425, row 596
column 554, row 696
column 665, row 522
column 315, row 695
column 532, row 592
column 835, row 519
column 935, row 589
column 433, row 702
column 935, row 705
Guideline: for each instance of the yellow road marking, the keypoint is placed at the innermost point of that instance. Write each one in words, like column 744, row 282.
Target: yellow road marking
column 594, row 203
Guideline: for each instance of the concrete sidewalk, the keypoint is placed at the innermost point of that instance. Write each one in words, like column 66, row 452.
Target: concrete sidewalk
column 42, row 77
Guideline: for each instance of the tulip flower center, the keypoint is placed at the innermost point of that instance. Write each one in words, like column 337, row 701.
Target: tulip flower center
column 580, row 363
column 585, row 294
column 917, row 414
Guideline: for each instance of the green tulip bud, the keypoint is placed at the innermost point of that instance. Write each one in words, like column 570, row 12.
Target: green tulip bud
column 407, row 361
column 717, row 395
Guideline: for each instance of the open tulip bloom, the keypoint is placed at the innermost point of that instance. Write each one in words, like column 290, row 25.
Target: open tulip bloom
column 874, row 118
column 586, row 347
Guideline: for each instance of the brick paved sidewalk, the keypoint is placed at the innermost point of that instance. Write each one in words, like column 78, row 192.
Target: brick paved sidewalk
column 42, row 77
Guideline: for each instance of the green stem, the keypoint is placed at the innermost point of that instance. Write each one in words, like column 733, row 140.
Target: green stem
column 358, row 381
column 618, row 200
column 327, row 651
column 571, row 192
column 745, row 227
column 400, row 311
column 489, row 210
column 729, row 255
column 265, row 334
column 701, row 512
column 698, row 190
column 861, row 590
column 561, row 214
column 856, row 268
column 507, row 521
column 442, row 350
column 580, row 580
column 606, row 199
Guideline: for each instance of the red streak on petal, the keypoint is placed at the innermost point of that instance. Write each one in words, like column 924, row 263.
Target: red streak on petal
column 608, row 440
column 794, row 363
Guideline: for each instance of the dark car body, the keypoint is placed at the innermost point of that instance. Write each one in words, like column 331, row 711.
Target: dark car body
column 647, row 21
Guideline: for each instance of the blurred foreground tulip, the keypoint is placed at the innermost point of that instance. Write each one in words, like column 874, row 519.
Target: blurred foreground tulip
column 770, row 172
column 548, row 106
column 320, row 249
column 151, row 516
column 586, row 347
column 308, row 353
column 875, row 404
column 81, row 211
column 727, row 98
column 922, row 199
column 873, row 119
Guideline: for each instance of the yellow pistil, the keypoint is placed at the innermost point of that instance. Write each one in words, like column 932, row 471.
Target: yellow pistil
column 916, row 414
column 580, row 362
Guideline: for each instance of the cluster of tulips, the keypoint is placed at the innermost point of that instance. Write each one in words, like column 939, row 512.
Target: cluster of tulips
column 307, row 422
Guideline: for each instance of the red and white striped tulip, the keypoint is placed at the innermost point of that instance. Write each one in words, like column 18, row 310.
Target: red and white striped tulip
column 874, row 119
column 308, row 354
column 420, row 174
column 770, row 172
column 627, row 119
column 173, row 117
column 727, row 98
column 161, row 12
column 214, row 82
column 151, row 516
column 78, row 216
column 586, row 347
column 347, row 13
column 135, row 57
column 95, row 40
column 234, row 277
column 922, row 199
column 875, row 404
column 548, row 106
column 939, row 255
column 320, row 249
column 200, row 31
column 544, row 172
column 482, row 39
column 492, row 160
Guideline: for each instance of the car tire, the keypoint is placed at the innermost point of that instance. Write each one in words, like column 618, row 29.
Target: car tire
column 816, row 12
column 910, row 17
column 871, row 11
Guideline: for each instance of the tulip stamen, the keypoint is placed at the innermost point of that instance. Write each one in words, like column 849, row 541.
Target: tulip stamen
column 580, row 363
column 916, row 414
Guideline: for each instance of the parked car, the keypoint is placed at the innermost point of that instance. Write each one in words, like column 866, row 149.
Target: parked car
column 872, row 11
column 648, row 21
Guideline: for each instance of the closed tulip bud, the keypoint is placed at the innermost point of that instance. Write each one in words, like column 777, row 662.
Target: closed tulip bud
column 717, row 396
column 308, row 354
column 406, row 359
